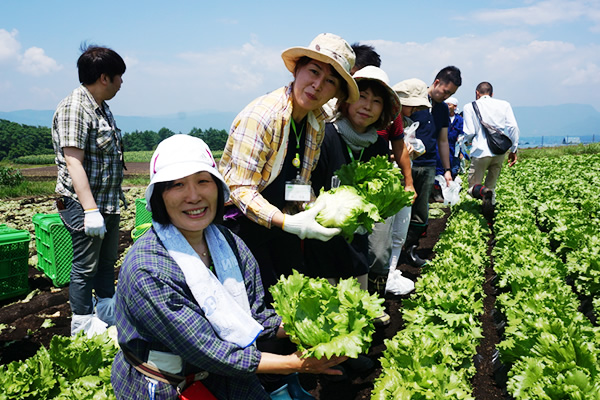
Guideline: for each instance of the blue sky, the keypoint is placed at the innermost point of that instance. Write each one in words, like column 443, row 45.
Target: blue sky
column 190, row 56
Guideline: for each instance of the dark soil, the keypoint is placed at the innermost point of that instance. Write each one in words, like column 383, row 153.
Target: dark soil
column 25, row 335
column 49, row 172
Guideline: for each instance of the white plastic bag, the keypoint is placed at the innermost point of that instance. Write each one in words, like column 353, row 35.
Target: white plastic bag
column 449, row 192
column 410, row 138
column 398, row 284
column 88, row 323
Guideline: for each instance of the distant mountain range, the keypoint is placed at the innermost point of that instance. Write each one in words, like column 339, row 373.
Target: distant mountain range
column 561, row 120
column 178, row 123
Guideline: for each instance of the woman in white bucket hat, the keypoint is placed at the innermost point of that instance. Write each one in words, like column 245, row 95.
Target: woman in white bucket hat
column 190, row 302
column 274, row 145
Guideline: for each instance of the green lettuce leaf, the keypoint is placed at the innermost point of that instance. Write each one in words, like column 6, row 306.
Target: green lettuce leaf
column 347, row 209
column 325, row 320
column 379, row 181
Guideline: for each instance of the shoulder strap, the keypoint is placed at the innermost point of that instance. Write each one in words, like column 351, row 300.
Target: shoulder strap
column 231, row 241
column 487, row 128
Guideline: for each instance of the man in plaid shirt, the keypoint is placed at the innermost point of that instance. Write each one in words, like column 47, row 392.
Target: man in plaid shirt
column 89, row 157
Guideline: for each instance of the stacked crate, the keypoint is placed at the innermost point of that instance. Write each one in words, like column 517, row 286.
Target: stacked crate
column 14, row 254
column 143, row 219
column 54, row 247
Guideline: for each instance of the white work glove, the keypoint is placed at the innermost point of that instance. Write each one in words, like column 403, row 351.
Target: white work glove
column 305, row 226
column 94, row 223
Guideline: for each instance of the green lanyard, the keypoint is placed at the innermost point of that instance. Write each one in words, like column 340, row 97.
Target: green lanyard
column 352, row 155
column 296, row 160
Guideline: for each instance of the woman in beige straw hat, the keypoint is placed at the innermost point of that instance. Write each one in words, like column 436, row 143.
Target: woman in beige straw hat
column 273, row 146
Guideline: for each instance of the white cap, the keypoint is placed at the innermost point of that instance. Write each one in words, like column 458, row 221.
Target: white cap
column 179, row 156
column 452, row 100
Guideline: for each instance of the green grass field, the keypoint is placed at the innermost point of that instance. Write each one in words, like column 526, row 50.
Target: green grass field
column 46, row 188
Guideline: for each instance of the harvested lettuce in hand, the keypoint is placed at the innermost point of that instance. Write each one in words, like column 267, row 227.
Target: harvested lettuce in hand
column 346, row 209
column 379, row 181
column 326, row 320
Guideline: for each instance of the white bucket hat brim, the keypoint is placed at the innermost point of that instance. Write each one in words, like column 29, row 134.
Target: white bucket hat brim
column 179, row 156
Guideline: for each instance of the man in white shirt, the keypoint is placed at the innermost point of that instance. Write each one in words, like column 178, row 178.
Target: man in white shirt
column 498, row 114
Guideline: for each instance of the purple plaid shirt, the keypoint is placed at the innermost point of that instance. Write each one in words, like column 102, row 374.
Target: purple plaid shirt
column 156, row 310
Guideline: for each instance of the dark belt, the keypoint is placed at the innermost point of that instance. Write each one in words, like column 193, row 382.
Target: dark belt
column 179, row 381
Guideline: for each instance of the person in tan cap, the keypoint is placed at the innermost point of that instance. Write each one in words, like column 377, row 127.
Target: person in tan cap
column 422, row 137
column 273, row 146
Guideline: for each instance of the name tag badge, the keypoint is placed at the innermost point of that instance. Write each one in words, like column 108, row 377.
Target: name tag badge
column 297, row 192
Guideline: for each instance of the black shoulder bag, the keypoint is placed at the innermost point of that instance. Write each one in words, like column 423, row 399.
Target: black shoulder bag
column 497, row 141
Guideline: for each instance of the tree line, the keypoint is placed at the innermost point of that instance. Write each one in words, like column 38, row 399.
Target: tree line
column 18, row 140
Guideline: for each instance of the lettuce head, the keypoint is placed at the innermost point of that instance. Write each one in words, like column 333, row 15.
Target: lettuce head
column 347, row 209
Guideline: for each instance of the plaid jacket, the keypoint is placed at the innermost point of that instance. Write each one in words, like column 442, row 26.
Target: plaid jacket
column 155, row 309
column 80, row 122
column 257, row 146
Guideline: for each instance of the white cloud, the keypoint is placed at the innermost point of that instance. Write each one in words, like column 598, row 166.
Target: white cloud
column 35, row 62
column 583, row 75
column 543, row 13
column 217, row 79
column 522, row 69
column 9, row 45
column 130, row 61
column 242, row 69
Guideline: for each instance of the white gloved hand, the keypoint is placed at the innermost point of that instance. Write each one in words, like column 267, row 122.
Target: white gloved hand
column 305, row 226
column 94, row 223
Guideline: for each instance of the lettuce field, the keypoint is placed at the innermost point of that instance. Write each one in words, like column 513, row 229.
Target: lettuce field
column 505, row 309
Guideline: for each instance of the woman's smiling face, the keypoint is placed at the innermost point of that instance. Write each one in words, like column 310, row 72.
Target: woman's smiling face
column 366, row 111
column 192, row 202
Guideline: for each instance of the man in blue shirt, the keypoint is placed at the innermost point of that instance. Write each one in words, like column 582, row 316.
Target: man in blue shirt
column 433, row 132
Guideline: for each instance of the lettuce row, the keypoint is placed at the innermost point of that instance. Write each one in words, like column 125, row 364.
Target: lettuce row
column 552, row 349
column 72, row 368
column 566, row 206
column 432, row 358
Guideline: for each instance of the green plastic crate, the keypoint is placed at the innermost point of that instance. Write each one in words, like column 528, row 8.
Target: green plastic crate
column 142, row 216
column 14, row 256
column 54, row 248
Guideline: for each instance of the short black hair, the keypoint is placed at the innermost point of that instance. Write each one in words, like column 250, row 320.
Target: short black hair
column 344, row 91
column 365, row 56
column 95, row 61
column 450, row 74
column 485, row 88
column 159, row 210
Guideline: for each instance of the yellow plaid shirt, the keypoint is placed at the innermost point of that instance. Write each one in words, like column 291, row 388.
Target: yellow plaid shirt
column 258, row 134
